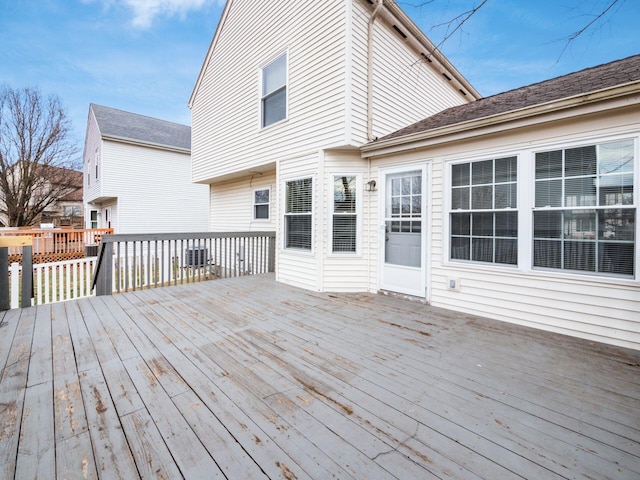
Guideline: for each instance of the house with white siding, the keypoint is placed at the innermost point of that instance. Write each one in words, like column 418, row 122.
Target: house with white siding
column 137, row 175
column 380, row 168
column 529, row 205
column 277, row 125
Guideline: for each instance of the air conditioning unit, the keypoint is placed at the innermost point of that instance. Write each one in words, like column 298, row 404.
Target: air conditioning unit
column 196, row 257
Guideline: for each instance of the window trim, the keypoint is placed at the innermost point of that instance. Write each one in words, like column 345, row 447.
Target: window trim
column 448, row 166
column 526, row 151
column 358, row 213
column 580, row 143
column 254, row 204
column 311, row 213
column 262, row 97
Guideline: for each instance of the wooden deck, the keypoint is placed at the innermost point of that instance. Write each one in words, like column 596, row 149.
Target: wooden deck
column 244, row 378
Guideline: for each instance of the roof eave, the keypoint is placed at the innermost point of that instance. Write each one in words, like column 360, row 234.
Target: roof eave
column 141, row 143
column 443, row 134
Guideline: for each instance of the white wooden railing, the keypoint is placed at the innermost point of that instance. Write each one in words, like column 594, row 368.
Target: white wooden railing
column 54, row 282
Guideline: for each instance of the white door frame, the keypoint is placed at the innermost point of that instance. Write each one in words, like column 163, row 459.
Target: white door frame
column 419, row 287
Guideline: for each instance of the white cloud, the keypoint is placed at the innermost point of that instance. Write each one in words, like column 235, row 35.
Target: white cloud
column 145, row 11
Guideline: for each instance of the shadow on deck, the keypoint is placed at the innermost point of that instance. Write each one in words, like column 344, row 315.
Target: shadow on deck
column 245, row 378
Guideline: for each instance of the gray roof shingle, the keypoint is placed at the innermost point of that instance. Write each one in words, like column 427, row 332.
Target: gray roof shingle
column 140, row 128
column 585, row 81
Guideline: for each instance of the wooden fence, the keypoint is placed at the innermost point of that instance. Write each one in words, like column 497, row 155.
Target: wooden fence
column 56, row 244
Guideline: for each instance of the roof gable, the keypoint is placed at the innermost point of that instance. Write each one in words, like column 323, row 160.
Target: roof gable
column 121, row 125
column 583, row 82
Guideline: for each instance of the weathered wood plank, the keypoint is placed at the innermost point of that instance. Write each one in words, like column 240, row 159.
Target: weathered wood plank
column 69, row 414
column 36, row 451
column 111, row 451
column 153, row 458
column 74, row 458
column 187, row 450
column 12, row 392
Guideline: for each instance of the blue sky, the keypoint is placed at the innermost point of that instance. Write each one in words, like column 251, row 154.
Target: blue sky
column 144, row 56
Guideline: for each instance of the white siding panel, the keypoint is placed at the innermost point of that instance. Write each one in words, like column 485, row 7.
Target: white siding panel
column 300, row 268
column 92, row 143
column 593, row 307
column 232, row 204
column 345, row 272
column 405, row 88
column 154, row 190
column 226, row 113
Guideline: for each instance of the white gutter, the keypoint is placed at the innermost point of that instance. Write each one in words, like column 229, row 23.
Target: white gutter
column 370, row 70
column 435, row 135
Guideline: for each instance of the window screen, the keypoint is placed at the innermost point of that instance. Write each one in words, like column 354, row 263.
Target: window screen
column 484, row 216
column 298, row 215
column 344, row 231
column 584, row 217
column 274, row 91
column 261, row 204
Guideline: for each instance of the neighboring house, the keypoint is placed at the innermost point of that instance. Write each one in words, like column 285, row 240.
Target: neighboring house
column 62, row 193
column 68, row 210
column 530, row 205
column 520, row 207
column 277, row 125
column 137, row 175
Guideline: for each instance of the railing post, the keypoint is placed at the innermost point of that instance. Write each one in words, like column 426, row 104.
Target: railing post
column 27, row 276
column 5, row 298
column 272, row 254
column 104, row 282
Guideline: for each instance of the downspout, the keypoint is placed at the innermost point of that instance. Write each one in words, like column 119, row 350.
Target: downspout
column 370, row 70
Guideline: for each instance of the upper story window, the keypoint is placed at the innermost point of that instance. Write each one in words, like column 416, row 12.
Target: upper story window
column 484, row 216
column 274, row 91
column 97, row 165
column 345, row 215
column 298, row 219
column 584, row 213
column 261, row 204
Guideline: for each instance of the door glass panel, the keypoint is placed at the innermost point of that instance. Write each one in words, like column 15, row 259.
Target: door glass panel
column 403, row 223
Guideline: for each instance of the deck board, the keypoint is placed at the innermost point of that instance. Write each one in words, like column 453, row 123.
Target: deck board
column 247, row 378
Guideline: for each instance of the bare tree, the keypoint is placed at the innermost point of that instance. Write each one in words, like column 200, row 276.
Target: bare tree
column 456, row 23
column 36, row 154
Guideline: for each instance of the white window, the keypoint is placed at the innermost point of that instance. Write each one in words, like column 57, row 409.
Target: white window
column 97, row 165
column 484, row 216
column 274, row 91
column 72, row 211
column 261, row 204
column 298, row 214
column 584, row 215
column 345, row 215
column 94, row 219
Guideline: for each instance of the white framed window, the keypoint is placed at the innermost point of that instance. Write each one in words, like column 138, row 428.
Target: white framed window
column 298, row 217
column 94, row 218
column 273, row 97
column 584, row 211
column 483, row 220
column 261, row 204
column 345, row 213
column 97, row 164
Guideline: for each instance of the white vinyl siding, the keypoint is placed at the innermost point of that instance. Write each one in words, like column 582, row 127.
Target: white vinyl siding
column 232, row 204
column 154, row 190
column 326, row 86
column 405, row 89
column 596, row 307
column 226, row 110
